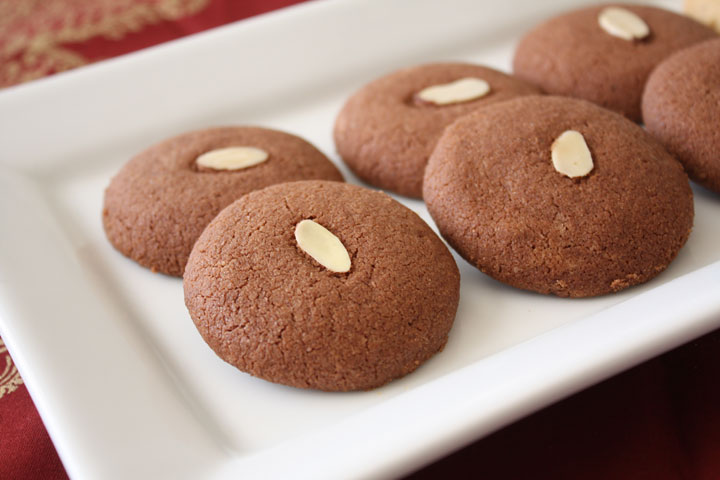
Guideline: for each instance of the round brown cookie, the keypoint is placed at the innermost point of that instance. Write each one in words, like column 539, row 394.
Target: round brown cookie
column 161, row 200
column 267, row 307
column 493, row 190
column 572, row 55
column 385, row 132
column 681, row 107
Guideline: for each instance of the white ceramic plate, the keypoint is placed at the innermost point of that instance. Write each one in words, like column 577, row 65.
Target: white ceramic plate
column 124, row 383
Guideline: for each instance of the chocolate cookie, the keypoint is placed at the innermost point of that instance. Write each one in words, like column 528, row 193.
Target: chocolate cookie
column 387, row 130
column 558, row 195
column 602, row 55
column 681, row 107
column 162, row 199
column 322, row 285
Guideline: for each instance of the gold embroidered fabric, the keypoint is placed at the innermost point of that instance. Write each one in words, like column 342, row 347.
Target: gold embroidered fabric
column 9, row 377
column 34, row 34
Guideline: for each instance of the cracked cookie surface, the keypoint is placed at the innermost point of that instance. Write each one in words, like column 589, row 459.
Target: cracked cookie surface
column 268, row 308
column 161, row 200
column 386, row 134
column 681, row 106
column 492, row 189
column 572, row 55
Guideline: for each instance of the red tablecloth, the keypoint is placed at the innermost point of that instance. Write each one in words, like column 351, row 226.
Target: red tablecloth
column 660, row 420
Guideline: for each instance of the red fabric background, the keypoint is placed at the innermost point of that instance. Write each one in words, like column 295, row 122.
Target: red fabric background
column 658, row 421
column 27, row 452
column 218, row 12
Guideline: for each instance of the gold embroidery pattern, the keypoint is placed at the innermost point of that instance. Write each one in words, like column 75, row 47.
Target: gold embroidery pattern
column 10, row 379
column 33, row 32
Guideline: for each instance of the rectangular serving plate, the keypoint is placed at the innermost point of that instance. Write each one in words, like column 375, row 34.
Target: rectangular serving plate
column 123, row 382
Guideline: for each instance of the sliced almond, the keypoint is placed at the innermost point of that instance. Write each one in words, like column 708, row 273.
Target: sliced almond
column 232, row 158
column 462, row 90
column 320, row 243
column 570, row 154
column 623, row 23
column 704, row 11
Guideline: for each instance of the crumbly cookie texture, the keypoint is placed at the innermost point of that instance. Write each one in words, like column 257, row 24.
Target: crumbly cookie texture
column 386, row 131
column 605, row 59
column 493, row 190
column 161, row 200
column 681, row 107
column 270, row 306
